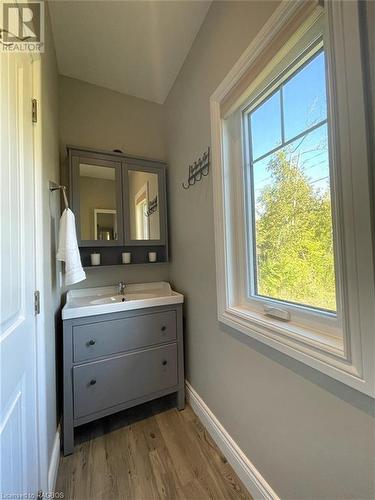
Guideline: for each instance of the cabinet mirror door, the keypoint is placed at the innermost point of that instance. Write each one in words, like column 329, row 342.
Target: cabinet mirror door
column 145, row 204
column 98, row 202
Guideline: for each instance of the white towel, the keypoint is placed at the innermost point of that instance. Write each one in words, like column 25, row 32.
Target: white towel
column 68, row 249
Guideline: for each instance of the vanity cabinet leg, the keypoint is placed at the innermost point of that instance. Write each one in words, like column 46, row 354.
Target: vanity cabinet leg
column 68, row 428
column 180, row 358
column 181, row 399
column 68, row 440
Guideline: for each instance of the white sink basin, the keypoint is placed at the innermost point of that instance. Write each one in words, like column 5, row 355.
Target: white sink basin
column 139, row 295
column 105, row 300
column 108, row 300
column 127, row 296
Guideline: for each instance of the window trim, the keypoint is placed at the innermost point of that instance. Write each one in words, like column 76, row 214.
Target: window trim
column 351, row 363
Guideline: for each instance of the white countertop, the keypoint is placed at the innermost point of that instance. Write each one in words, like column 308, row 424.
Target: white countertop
column 105, row 300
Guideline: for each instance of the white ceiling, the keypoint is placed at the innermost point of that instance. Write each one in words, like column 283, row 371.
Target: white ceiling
column 134, row 47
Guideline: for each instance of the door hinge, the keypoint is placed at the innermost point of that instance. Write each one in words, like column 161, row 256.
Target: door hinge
column 37, row 302
column 34, row 110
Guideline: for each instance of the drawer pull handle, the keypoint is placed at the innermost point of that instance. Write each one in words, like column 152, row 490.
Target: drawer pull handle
column 163, row 328
column 164, row 362
column 91, row 342
column 92, row 381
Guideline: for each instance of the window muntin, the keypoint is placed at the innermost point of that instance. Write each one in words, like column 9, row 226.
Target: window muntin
column 290, row 213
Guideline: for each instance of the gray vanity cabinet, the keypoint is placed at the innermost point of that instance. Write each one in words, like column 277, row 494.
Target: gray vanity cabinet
column 119, row 360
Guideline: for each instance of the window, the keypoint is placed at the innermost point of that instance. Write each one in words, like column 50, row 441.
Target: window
column 293, row 227
column 288, row 189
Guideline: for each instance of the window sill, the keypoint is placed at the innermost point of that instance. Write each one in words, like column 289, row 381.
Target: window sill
column 323, row 352
column 312, row 338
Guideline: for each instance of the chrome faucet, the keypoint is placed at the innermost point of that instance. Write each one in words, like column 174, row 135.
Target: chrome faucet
column 121, row 287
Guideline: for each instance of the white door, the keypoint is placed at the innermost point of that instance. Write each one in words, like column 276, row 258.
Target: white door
column 18, row 417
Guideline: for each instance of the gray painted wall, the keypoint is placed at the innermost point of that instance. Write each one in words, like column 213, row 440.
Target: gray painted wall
column 309, row 436
column 370, row 45
column 51, row 215
column 95, row 117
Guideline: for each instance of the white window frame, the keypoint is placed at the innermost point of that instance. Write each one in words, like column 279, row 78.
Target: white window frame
column 313, row 339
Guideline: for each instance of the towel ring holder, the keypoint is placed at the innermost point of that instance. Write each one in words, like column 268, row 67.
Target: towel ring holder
column 56, row 187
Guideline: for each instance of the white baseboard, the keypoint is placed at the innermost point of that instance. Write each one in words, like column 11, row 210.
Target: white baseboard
column 246, row 471
column 54, row 462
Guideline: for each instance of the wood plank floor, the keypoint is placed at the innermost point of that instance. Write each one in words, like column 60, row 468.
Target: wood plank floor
column 150, row 452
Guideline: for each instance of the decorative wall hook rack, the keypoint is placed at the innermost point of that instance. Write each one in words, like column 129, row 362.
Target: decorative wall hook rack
column 200, row 168
column 152, row 207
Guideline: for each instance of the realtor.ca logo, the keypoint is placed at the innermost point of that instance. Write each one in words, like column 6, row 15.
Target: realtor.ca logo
column 22, row 27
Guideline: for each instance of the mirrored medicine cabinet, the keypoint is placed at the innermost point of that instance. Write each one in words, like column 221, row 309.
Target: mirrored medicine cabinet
column 119, row 202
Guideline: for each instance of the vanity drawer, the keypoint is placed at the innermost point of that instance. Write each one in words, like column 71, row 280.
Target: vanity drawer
column 111, row 337
column 102, row 384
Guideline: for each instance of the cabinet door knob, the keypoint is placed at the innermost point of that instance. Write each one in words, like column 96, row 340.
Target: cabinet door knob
column 92, row 381
column 164, row 362
column 91, row 342
column 163, row 328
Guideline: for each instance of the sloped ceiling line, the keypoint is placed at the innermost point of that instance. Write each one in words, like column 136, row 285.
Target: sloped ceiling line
column 133, row 47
